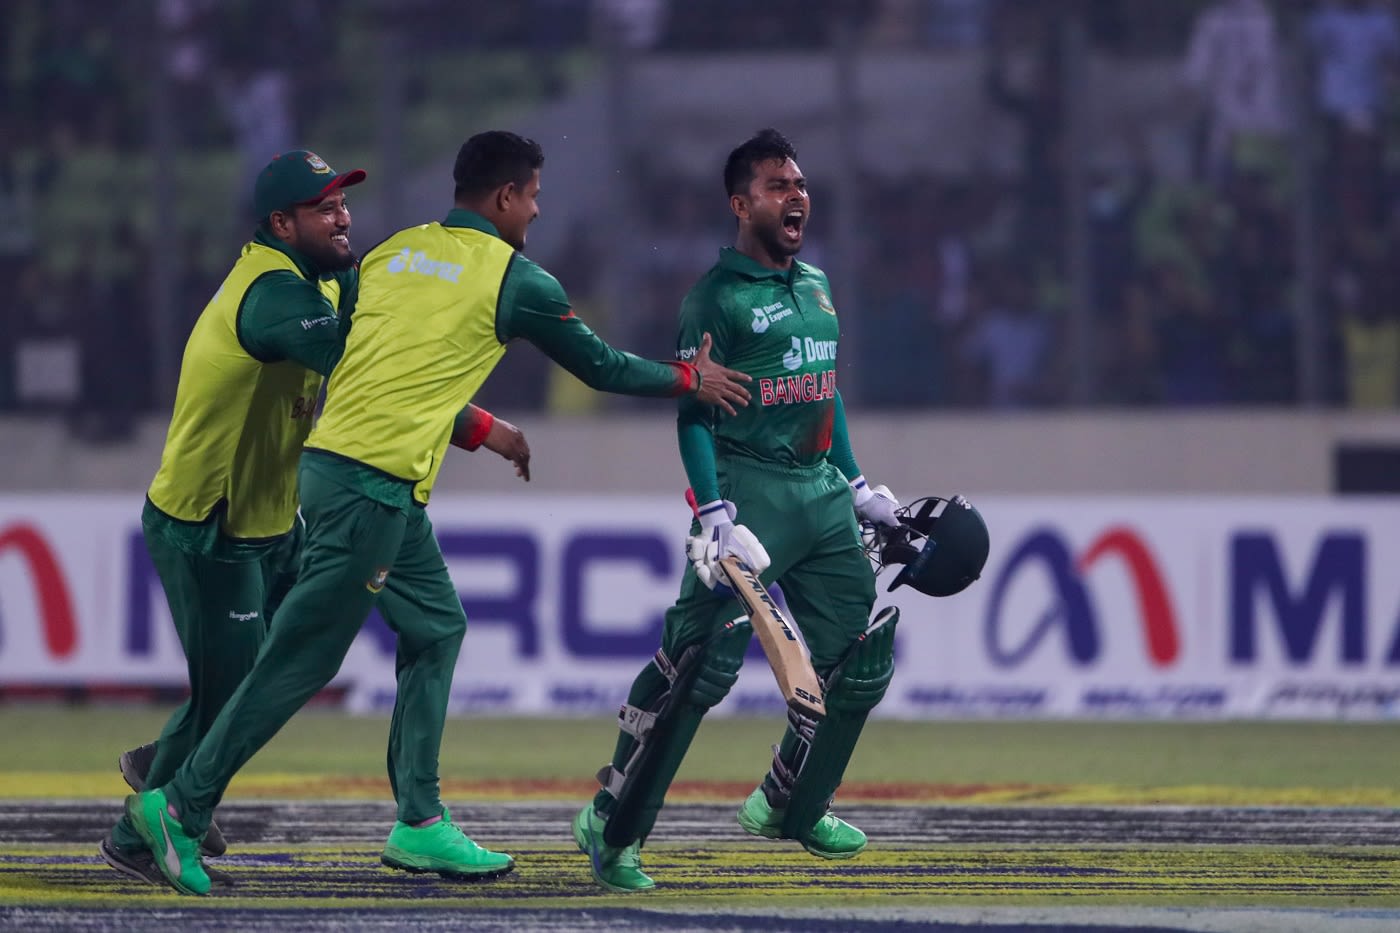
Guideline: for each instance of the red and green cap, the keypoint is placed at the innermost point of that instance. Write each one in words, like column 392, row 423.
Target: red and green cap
column 297, row 177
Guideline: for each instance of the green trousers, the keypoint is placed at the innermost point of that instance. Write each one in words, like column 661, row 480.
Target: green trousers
column 358, row 552
column 805, row 521
column 221, row 611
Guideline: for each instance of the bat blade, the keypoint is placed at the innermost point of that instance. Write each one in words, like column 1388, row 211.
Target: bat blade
column 787, row 655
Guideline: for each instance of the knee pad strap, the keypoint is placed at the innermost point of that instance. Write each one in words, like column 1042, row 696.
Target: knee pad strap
column 663, row 726
column 810, row 762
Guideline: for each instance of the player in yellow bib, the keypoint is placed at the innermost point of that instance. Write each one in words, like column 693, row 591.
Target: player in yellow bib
column 437, row 305
column 220, row 519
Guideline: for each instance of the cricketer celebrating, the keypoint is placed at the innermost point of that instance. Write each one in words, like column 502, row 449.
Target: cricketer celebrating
column 438, row 302
column 220, row 519
column 783, row 467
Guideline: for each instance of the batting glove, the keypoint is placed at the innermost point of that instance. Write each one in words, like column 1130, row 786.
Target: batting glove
column 874, row 505
column 720, row 537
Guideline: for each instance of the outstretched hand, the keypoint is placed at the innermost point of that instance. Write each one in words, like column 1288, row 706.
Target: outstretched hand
column 719, row 385
column 509, row 441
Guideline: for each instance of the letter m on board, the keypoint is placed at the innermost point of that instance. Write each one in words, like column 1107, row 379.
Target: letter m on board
column 1338, row 569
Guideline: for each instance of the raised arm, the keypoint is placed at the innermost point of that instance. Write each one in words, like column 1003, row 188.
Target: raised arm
column 535, row 308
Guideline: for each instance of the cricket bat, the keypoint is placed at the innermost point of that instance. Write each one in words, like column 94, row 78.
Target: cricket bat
column 787, row 655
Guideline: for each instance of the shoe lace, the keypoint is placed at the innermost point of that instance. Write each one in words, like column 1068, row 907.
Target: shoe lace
column 630, row 856
column 829, row 822
column 458, row 836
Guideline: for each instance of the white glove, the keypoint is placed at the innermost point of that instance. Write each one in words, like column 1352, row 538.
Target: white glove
column 720, row 537
column 874, row 505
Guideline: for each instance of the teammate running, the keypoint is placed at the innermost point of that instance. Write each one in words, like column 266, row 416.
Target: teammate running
column 783, row 467
column 438, row 303
column 220, row 517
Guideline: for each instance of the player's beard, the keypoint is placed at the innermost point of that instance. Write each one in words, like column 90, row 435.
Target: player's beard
column 328, row 258
column 778, row 248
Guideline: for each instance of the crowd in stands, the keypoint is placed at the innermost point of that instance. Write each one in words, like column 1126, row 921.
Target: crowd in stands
column 1284, row 118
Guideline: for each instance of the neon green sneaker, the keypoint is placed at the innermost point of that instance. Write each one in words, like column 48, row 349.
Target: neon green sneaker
column 176, row 853
column 442, row 848
column 616, row 869
column 831, row 838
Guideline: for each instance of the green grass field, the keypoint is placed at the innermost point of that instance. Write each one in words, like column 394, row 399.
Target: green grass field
column 1262, row 756
column 987, row 817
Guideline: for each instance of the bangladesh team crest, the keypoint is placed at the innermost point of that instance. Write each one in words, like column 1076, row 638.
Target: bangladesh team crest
column 317, row 164
column 824, row 302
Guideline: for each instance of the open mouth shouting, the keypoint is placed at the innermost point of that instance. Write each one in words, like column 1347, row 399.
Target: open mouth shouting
column 793, row 221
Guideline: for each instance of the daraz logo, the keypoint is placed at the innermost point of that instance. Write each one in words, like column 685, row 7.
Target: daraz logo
column 409, row 261
column 817, row 351
column 792, row 359
column 767, row 315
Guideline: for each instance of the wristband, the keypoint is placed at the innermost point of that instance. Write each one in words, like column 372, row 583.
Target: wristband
column 713, row 513
column 481, row 426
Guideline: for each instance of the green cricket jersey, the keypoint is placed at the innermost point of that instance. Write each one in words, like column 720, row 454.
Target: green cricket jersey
column 438, row 303
column 226, row 486
column 780, row 327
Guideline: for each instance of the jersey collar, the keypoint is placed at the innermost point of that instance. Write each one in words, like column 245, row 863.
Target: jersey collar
column 731, row 260
column 461, row 217
column 304, row 265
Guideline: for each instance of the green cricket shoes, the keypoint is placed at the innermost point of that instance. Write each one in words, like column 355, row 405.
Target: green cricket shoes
column 442, row 848
column 134, row 862
column 138, row 862
column 176, row 853
column 135, row 765
column 831, row 838
column 617, row 869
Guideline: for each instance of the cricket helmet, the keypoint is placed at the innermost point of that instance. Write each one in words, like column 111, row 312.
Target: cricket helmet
column 941, row 545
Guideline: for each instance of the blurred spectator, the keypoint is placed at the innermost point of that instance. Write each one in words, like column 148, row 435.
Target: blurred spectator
column 1009, row 344
column 680, row 238
column 1115, row 200
column 1128, row 373
column 17, row 209
column 47, row 357
column 1186, row 226
column 1194, row 282
column 17, row 241
column 73, row 64
column 1362, row 292
column 944, row 225
column 895, row 24
column 577, row 267
column 956, row 24
column 1191, row 337
column 187, row 26
column 1355, row 44
column 558, row 27
column 257, row 100
column 1253, row 280
column 114, row 373
column 727, row 25
column 1030, row 87
column 266, row 77
column 636, row 24
column 905, row 347
column 1233, row 61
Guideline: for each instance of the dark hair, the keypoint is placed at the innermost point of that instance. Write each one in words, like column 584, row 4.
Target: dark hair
column 492, row 159
column 764, row 145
